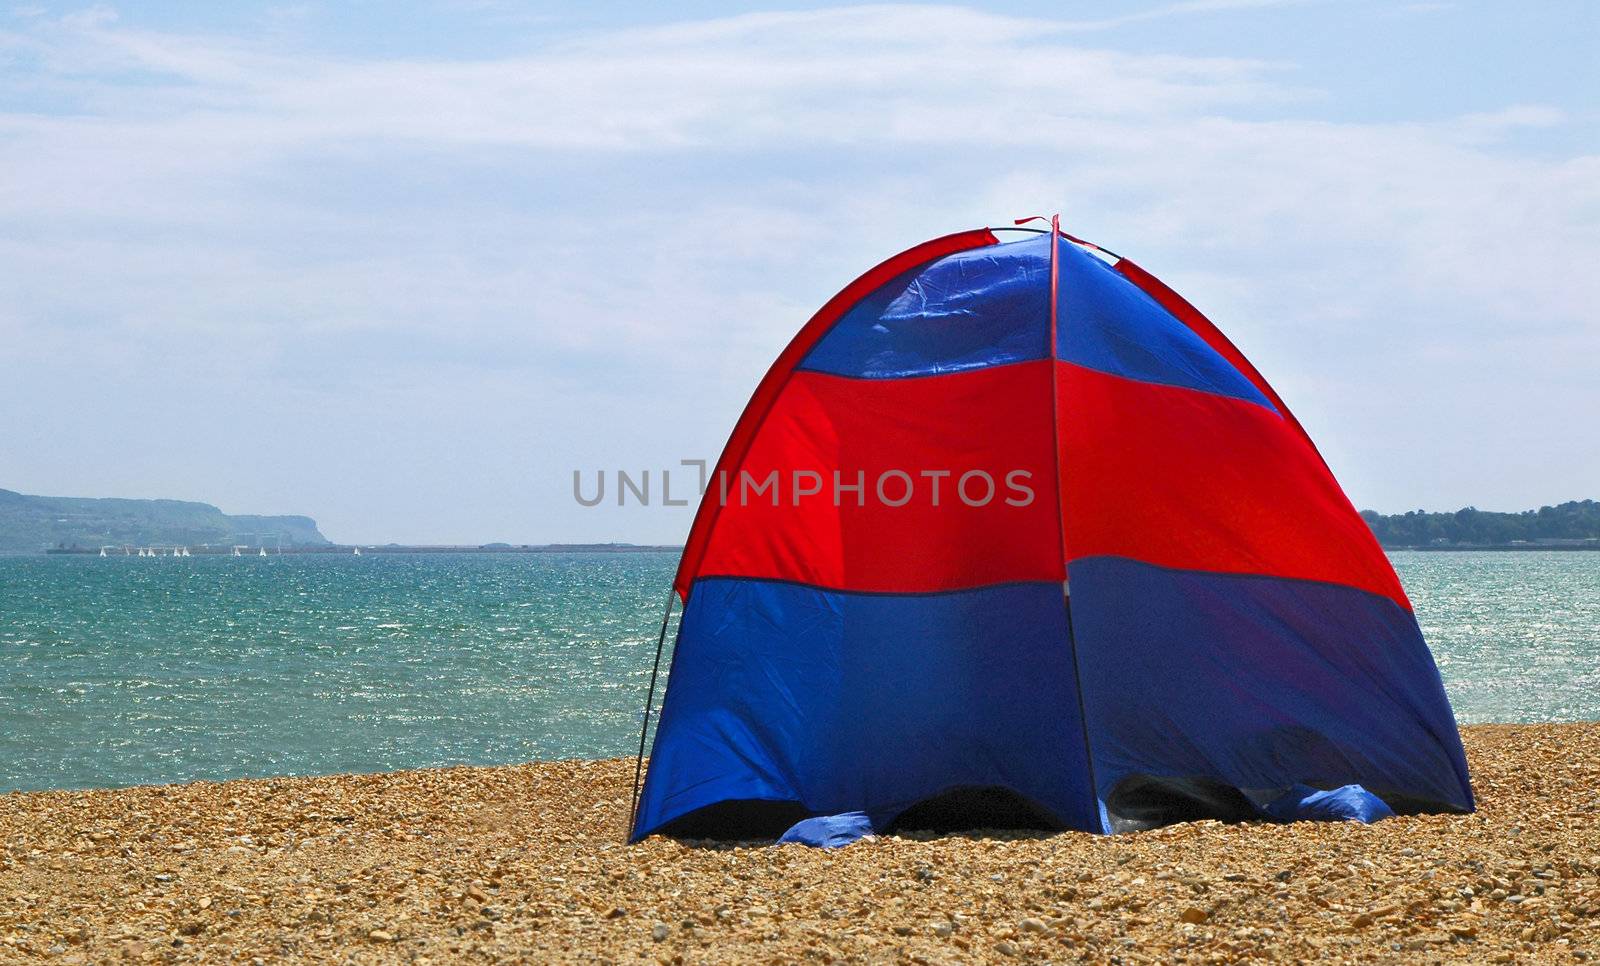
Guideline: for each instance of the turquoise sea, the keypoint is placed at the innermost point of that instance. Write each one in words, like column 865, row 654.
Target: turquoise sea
column 125, row 670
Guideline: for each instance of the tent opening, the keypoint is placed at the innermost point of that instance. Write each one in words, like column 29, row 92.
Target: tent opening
column 975, row 807
column 1141, row 802
column 737, row 820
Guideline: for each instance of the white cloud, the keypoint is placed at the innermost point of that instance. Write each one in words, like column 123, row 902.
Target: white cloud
column 627, row 206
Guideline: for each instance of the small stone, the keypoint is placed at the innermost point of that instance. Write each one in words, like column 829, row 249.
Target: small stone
column 616, row 913
column 1362, row 921
column 1005, row 948
column 660, row 931
column 205, row 903
column 381, row 936
column 1033, row 925
column 1194, row 914
column 943, row 929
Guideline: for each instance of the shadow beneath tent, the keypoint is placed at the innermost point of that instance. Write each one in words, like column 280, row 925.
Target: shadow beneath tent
column 734, row 824
column 973, row 812
column 1138, row 803
column 1142, row 802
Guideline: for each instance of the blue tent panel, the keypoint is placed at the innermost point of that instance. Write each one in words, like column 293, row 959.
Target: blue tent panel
column 973, row 309
column 1115, row 327
column 1260, row 684
column 832, row 701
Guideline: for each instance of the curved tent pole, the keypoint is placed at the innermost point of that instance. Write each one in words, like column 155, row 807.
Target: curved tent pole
column 650, row 697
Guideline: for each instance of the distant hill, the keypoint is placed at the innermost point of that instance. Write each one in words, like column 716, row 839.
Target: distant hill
column 1569, row 524
column 35, row 523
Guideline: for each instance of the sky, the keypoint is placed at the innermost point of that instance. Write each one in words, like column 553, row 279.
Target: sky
column 405, row 268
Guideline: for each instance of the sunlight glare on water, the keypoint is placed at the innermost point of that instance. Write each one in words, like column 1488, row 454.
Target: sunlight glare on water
column 1516, row 634
column 125, row 671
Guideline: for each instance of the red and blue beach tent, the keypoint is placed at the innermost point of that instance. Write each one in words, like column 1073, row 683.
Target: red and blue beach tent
column 1166, row 607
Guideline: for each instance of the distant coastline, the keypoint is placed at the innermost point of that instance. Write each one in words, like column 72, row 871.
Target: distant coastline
column 397, row 548
column 338, row 549
column 31, row 524
column 1574, row 525
column 75, row 526
column 1467, row 547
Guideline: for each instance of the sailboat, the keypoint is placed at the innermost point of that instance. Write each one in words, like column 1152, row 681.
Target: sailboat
column 236, row 552
column 357, row 551
column 102, row 551
column 263, row 552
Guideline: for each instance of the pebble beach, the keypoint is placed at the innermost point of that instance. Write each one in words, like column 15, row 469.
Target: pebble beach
column 525, row 864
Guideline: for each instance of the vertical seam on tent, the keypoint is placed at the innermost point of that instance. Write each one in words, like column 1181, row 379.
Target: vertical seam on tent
column 1061, row 515
column 1055, row 396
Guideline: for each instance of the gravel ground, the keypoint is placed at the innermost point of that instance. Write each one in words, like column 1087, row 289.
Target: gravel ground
column 524, row 863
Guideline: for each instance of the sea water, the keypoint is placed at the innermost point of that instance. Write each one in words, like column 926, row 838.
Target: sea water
column 128, row 670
